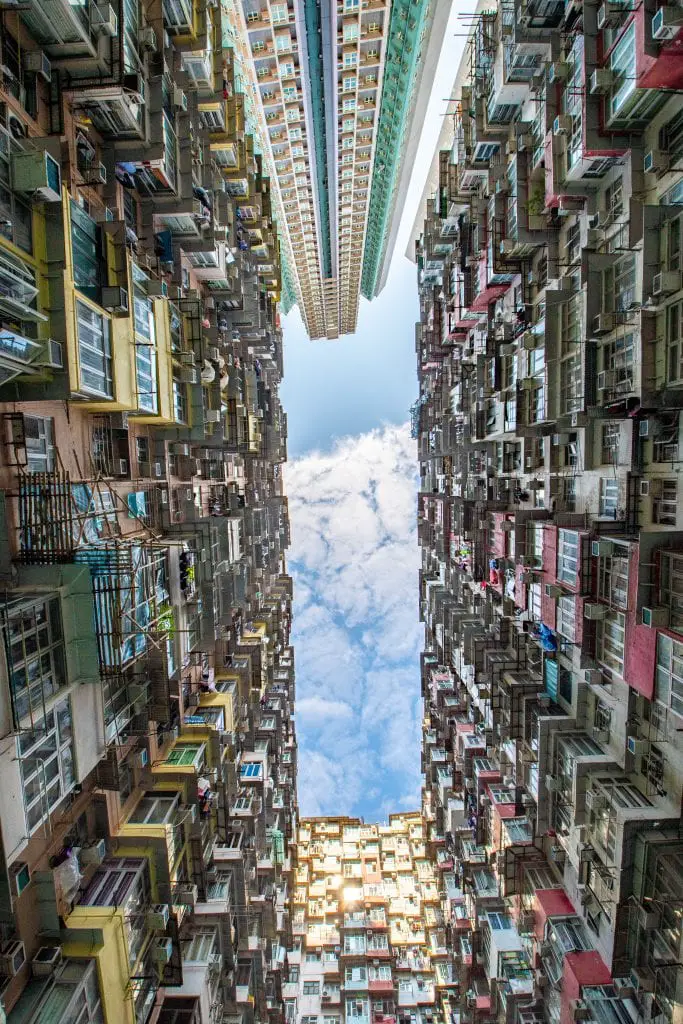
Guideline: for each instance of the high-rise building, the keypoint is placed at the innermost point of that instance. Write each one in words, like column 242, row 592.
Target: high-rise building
column 343, row 87
column 369, row 943
column 147, row 744
column 549, row 435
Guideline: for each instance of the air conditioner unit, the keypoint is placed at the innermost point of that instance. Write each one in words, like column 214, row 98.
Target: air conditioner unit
column 655, row 617
column 531, row 341
column 157, row 289
column 115, row 299
column 666, row 23
column 560, row 439
column 600, row 735
column 604, row 16
column 103, row 19
column 593, row 238
column 148, row 39
column 601, row 81
column 603, row 323
column 594, row 611
column 507, row 246
column 528, row 383
column 634, row 746
column 12, row 958
column 38, row 174
column 212, row 415
column 563, row 124
column 36, row 62
column 162, row 950
column 158, row 469
column 649, row 919
column 553, row 591
column 188, row 375
column 650, row 488
column 606, row 380
column 97, row 175
column 45, row 961
column 655, row 162
column 52, row 355
column 157, row 917
column 602, row 548
column 179, row 98
column 94, row 853
column 558, row 71
column 186, row 894
column 594, row 801
column 552, row 783
column 19, row 877
column 667, row 282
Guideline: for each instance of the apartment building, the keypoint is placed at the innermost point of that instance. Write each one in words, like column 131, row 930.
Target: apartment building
column 343, row 88
column 369, row 942
column 548, row 427
column 147, row 740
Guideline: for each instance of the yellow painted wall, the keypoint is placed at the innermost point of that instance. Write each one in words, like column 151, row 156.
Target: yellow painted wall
column 104, row 939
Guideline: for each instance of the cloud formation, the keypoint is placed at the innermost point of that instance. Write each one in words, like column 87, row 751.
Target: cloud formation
column 354, row 558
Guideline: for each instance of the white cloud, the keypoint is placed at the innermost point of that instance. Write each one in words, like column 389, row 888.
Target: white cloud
column 355, row 559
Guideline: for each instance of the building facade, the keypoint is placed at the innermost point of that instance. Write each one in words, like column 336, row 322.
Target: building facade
column 342, row 88
column 369, row 943
column 548, row 427
column 147, row 742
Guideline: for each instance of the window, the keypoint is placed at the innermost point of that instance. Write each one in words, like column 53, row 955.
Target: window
column 664, row 506
column 185, row 754
column 145, row 351
column 614, row 198
column 34, row 647
column 609, row 450
column 47, row 765
column 619, row 285
column 94, row 351
column 251, row 770
column 609, row 497
column 350, row 59
column 623, row 68
column 350, row 104
column 566, row 617
column 610, row 641
column 356, row 974
column 279, row 14
column 39, row 434
column 613, row 576
column 89, row 267
column 311, row 988
column 568, row 557
column 671, row 587
column 349, row 83
column 16, row 217
column 669, row 673
column 674, row 338
column 312, row 957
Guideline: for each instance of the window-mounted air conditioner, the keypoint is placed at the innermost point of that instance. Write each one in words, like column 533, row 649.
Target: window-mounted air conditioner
column 666, row 282
column 162, row 950
column 602, row 548
column 594, row 611
column 666, row 23
column 655, row 161
column 654, row 617
column 38, row 174
column 562, row 125
column 603, row 323
column 36, row 62
column 600, row 81
column 115, row 299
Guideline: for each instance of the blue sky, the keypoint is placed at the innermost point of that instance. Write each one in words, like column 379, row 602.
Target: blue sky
column 351, row 482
